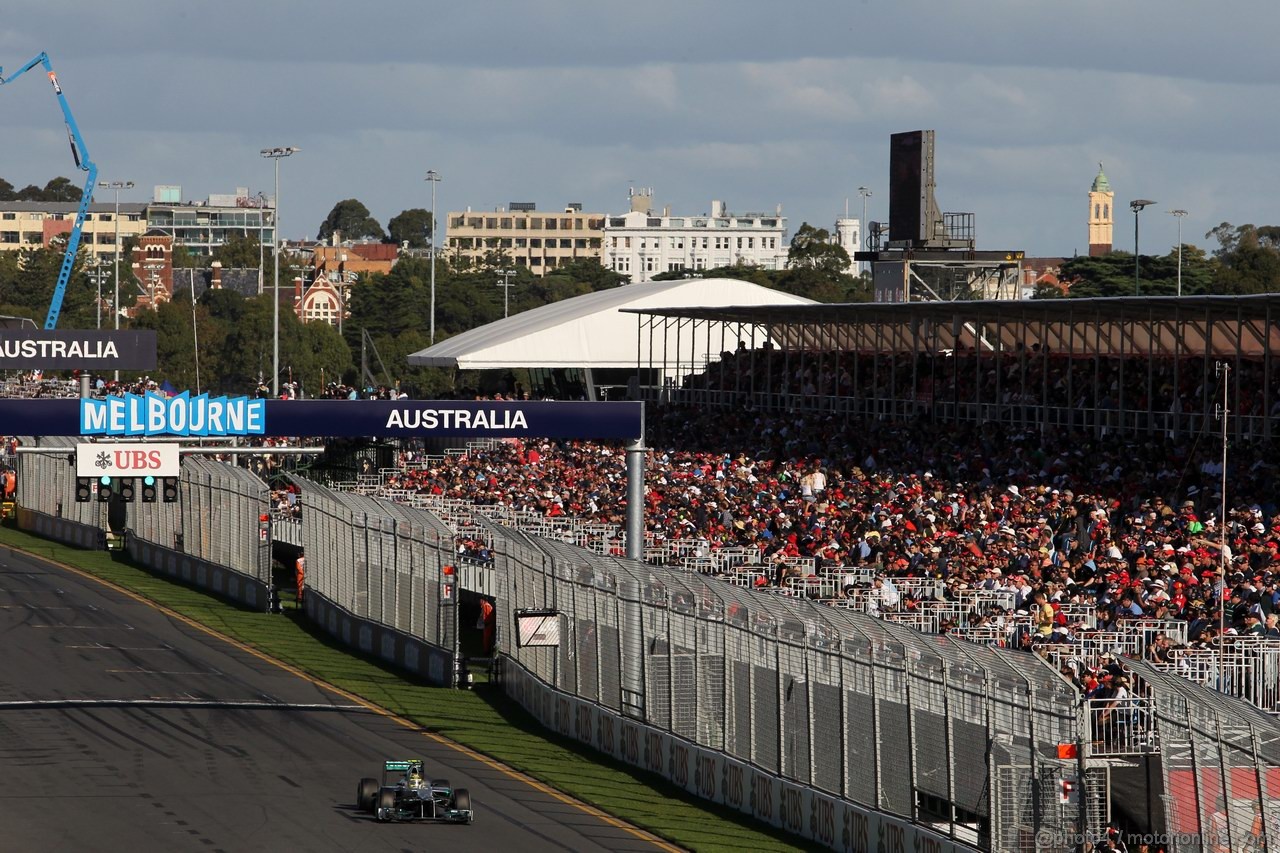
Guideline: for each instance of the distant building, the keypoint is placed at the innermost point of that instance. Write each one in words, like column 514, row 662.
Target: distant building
column 847, row 235
column 203, row 226
column 526, row 237
column 1037, row 273
column 641, row 244
column 32, row 224
column 341, row 263
column 159, row 281
column 321, row 300
column 1101, row 212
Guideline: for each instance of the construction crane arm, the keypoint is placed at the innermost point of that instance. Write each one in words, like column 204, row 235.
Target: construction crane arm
column 80, row 153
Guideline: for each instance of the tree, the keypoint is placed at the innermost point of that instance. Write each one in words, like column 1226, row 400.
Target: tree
column 61, row 189
column 1248, row 258
column 7, row 192
column 412, row 226
column 589, row 272
column 241, row 251
column 352, row 220
column 811, row 248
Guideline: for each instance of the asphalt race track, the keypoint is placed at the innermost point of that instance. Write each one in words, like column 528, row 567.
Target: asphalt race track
column 124, row 729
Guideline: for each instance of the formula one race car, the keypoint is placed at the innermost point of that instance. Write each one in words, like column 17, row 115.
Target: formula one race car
column 404, row 794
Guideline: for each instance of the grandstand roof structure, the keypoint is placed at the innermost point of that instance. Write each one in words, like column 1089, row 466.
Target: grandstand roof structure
column 1223, row 326
column 590, row 331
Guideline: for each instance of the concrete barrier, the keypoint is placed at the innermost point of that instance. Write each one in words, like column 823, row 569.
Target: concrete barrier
column 372, row 638
column 219, row 580
column 72, row 533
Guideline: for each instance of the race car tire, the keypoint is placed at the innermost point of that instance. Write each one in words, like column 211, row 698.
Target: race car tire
column 462, row 799
column 386, row 801
column 366, row 793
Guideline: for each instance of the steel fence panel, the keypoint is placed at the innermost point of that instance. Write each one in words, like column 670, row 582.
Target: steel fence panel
column 709, row 703
column 610, row 647
column 738, row 690
column 795, row 704
column 1243, row 797
column 766, row 729
column 684, row 663
column 862, row 744
column 828, row 742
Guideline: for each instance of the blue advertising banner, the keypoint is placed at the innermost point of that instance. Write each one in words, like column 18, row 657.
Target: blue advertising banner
column 201, row 415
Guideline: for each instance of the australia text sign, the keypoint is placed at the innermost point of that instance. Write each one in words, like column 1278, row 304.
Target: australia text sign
column 28, row 349
column 202, row 415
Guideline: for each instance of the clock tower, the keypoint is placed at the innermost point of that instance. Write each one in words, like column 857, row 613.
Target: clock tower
column 1101, row 208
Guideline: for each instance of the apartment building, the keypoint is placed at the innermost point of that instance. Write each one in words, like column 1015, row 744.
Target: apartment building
column 524, row 236
column 642, row 244
column 199, row 226
column 32, row 224
column 203, row 226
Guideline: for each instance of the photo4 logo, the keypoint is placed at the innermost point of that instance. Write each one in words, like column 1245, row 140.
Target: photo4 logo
column 152, row 414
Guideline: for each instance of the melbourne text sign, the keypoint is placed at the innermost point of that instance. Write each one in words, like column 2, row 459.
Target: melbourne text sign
column 203, row 415
column 127, row 460
column 28, row 349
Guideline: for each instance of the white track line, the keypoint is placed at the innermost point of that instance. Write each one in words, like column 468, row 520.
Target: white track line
column 196, row 703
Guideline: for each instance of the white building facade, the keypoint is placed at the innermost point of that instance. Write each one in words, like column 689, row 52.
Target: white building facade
column 641, row 244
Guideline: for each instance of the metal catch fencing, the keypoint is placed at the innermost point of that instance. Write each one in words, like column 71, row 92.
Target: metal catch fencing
column 377, row 559
column 47, row 482
column 217, row 518
column 1220, row 767
column 944, row 733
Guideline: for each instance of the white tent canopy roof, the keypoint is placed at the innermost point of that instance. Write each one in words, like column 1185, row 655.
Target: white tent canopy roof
column 589, row 331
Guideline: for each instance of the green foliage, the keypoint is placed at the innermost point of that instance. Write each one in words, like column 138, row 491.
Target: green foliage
column 352, row 220
column 1248, row 258
column 61, row 189
column 812, row 249
column 588, row 271
column 241, row 251
column 412, row 226
column 58, row 189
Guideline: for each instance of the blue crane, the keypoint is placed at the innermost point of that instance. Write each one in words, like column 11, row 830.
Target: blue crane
column 80, row 152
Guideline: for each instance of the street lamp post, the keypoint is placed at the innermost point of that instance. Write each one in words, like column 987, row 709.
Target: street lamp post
column 1136, row 206
column 506, row 286
column 862, row 223
column 1179, row 213
column 115, row 305
column 276, row 154
column 434, row 177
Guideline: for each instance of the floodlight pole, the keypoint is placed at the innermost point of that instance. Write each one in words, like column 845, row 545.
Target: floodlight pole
column 276, row 154
column 434, row 177
column 862, row 223
column 635, row 494
column 115, row 306
column 1179, row 214
column 506, row 286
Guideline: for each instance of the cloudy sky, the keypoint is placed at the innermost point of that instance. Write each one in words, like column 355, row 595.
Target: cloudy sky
column 755, row 103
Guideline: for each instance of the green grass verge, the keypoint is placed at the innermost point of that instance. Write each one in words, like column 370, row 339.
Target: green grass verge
column 482, row 719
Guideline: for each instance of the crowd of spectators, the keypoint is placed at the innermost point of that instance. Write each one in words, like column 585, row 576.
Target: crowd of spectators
column 1063, row 523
